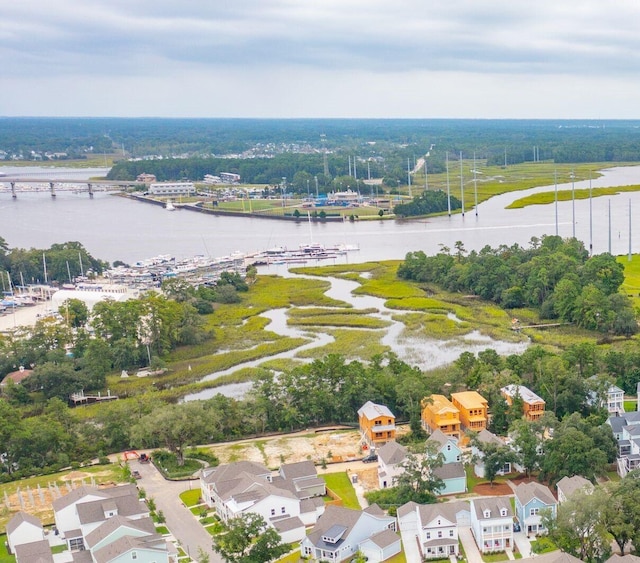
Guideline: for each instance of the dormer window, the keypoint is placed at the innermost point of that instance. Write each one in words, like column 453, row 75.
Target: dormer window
column 503, row 512
column 487, row 513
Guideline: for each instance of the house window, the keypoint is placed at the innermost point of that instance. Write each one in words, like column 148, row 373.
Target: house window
column 448, row 447
column 134, row 555
column 428, row 535
column 439, row 533
column 533, row 511
column 307, row 550
column 503, row 512
column 282, row 510
column 76, row 543
column 273, row 512
column 450, row 533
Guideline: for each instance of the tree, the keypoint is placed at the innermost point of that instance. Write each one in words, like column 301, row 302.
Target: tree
column 75, row 312
column 621, row 516
column 418, row 474
column 248, row 539
column 528, row 443
column 579, row 528
column 173, row 426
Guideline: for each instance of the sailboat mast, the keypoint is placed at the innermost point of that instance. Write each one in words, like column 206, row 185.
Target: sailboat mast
column 461, row 184
column 44, row 264
column 448, row 187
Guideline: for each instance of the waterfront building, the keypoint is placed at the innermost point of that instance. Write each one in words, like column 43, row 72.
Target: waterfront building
column 172, row 188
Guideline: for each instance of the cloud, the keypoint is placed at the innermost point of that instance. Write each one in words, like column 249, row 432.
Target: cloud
column 323, row 41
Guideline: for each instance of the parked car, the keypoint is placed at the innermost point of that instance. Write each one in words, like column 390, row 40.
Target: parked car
column 516, row 526
column 370, row 458
column 144, row 458
column 136, row 474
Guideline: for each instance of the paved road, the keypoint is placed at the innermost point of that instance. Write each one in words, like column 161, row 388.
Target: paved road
column 182, row 524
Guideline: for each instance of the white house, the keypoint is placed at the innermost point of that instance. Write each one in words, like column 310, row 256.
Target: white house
column 615, row 400
column 433, row 526
column 341, row 532
column 492, row 523
column 567, row 486
column 484, row 436
column 390, row 458
column 289, row 500
column 626, row 430
column 23, row 528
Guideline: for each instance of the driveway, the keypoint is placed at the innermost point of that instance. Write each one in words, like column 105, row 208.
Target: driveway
column 522, row 543
column 410, row 545
column 181, row 523
column 469, row 544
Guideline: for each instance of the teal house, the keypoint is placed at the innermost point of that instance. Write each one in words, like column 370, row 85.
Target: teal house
column 452, row 471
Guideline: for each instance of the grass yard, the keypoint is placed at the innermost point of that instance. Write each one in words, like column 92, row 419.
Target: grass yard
column 341, row 485
column 4, row 554
column 191, row 497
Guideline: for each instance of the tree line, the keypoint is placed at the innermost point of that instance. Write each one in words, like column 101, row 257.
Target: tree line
column 555, row 276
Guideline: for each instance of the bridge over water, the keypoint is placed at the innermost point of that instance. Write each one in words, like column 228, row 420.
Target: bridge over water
column 35, row 182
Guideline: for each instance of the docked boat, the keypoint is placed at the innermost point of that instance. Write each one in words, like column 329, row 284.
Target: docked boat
column 169, row 206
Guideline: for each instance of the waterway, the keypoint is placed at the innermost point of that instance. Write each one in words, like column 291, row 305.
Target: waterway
column 116, row 228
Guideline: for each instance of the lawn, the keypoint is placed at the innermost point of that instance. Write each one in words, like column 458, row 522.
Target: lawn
column 190, row 497
column 4, row 554
column 341, row 485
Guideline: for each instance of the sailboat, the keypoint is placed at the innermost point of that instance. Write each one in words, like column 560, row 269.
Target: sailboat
column 169, row 206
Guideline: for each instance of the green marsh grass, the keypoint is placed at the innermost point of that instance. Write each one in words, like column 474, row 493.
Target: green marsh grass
column 350, row 343
column 545, row 198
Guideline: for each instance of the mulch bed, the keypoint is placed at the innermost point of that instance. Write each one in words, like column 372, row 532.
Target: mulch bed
column 497, row 490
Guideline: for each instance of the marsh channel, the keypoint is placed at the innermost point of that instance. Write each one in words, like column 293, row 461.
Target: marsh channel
column 423, row 353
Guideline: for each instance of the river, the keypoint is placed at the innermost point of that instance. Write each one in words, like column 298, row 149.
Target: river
column 116, row 228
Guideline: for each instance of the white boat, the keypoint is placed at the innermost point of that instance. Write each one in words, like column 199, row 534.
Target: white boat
column 169, row 206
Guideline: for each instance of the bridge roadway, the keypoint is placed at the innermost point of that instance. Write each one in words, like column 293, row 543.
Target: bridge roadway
column 16, row 184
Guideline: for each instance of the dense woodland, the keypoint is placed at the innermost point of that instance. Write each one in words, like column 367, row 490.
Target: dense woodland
column 388, row 147
column 555, row 276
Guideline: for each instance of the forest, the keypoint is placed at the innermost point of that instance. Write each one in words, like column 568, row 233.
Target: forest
column 556, row 277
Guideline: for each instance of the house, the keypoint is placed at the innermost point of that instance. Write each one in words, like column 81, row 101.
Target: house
column 454, row 478
column 289, row 501
column 438, row 413
column 22, row 529
column 146, row 178
column 486, row 437
column 473, row 409
column 433, row 526
column 447, row 446
column 492, row 523
column 615, row 400
column 16, row 377
column 341, row 532
column 626, row 430
column 532, row 405
column 531, row 499
column 83, row 509
column 452, row 470
column 390, row 458
column 112, row 526
column 34, row 552
column 567, row 486
column 377, row 424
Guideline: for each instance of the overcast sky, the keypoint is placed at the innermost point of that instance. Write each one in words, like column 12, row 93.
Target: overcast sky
column 321, row 58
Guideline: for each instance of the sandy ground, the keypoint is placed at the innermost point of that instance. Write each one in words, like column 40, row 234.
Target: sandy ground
column 23, row 316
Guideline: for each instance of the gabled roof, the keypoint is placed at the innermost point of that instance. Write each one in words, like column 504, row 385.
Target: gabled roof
column 84, row 490
column 392, row 453
column 429, row 512
column 614, row 390
column 453, row 470
column 34, row 552
column 525, row 393
column 93, row 511
column 16, row 376
column 628, row 558
column 300, row 470
column 493, row 504
column 127, row 543
column 487, row 437
column 341, row 517
column 144, row 526
column 21, row 518
column 440, row 437
column 525, row 492
column 371, row 410
column 385, row 538
column 569, row 485
column 231, row 471
column 439, row 404
column 553, row 557
column 287, row 524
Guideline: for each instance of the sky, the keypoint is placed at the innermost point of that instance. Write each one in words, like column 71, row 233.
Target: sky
column 572, row 59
